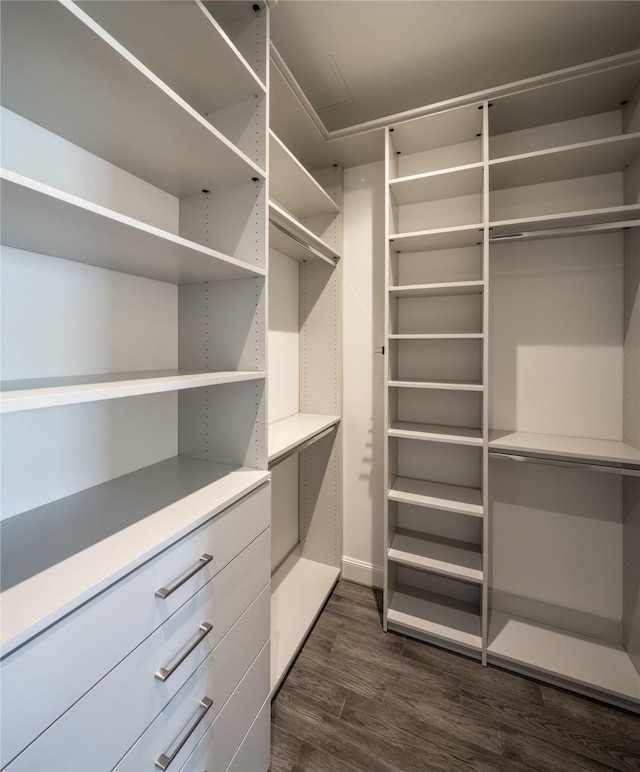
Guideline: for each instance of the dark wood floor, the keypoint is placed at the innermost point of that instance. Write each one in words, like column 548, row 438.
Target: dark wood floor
column 360, row 699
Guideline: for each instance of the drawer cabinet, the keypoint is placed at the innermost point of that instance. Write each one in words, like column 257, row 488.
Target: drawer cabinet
column 46, row 677
column 201, row 699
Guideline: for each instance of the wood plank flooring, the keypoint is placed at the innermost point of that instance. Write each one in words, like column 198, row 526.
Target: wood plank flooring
column 360, row 700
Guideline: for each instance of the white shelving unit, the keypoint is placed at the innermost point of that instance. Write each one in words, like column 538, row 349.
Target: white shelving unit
column 134, row 223
column 514, row 225
column 304, row 370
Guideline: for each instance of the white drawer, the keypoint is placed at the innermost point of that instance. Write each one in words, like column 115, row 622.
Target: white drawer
column 216, row 679
column 215, row 752
column 254, row 754
column 49, row 674
column 98, row 730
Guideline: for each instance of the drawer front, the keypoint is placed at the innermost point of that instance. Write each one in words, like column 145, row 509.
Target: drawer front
column 64, row 662
column 99, row 729
column 214, row 680
column 233, row 727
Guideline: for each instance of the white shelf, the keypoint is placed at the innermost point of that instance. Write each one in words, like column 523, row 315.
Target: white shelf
column 289, row 433
column 451, row 127
column 580, row 449
column 88, row 89
column 294, row 239
column 291, row 185
column 457, row 435
column 440, row 238
column 580, row 160
column 609, row 215
column 38, row 218
column 437, row 336
column 412, row 383
column 431, row 186
column 89, row 540
column 447, row 557
column 570, row 98
column 299, row 590
column 291, row 122
column 586, row 662
column 447, row 498
column 442, row 289
column 435, row 616
column 199, row 47
column 38, row 393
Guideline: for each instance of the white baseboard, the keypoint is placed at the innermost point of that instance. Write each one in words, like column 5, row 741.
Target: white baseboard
column 361, row 572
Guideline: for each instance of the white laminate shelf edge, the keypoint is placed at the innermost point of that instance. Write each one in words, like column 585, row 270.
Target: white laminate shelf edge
column 410, row 383
column 447, row 498
column 435, row 616
column 89, row 540
column 146, row 128
column 442, row 184
column 301, row 243
column 289, row 433
column 437, row 336
column 457, row 435
column 42, row 219
column 199, row 46
column 299, row 590
column 55, row 392
column 580, row 449
column 439, row 238
column 291, row 185
column 440, row 289
column 558, row 653
column 444, row 557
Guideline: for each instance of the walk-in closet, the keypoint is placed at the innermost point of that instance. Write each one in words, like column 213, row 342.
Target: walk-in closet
column 320, row 405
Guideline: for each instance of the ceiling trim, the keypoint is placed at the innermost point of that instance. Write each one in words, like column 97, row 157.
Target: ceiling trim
column 568, row 73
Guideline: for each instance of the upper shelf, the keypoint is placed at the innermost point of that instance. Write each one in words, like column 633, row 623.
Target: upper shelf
column 579, row 449
column 290, row 434
column 294, row 239
column 440, row 238
column 575, row 97
column 291, row 185
column 85, row 87
column 291, row 122
column 38, row 218
column 584, row 159
column 37, row 393
column 449, row 183
column 184, row 46
column 535, row 227
column 440, row 289
column 108, row 531
column 451, row 127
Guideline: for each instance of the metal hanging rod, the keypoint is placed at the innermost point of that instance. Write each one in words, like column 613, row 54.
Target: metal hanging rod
column 299, row 241
column 302, row 446
column 575, row 230
column 583, row 466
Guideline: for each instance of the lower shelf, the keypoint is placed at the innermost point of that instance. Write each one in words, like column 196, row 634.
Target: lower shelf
column 435, row 616
column 564, row 657
column 299, row 590
column 91, row 539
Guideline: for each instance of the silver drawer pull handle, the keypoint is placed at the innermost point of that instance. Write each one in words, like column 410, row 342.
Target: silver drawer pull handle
column 164, row 592
column 163, row 761
column 163, row 673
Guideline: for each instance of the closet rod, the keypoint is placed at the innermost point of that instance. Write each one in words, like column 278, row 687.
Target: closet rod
column 302, row 446
column 298, row 240
column 584, row 466
column 554, row 233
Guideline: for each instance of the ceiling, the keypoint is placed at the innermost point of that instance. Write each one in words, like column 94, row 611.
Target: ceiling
column 357, row 60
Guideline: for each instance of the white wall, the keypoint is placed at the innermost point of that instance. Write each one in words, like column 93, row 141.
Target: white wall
column 363, row 298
